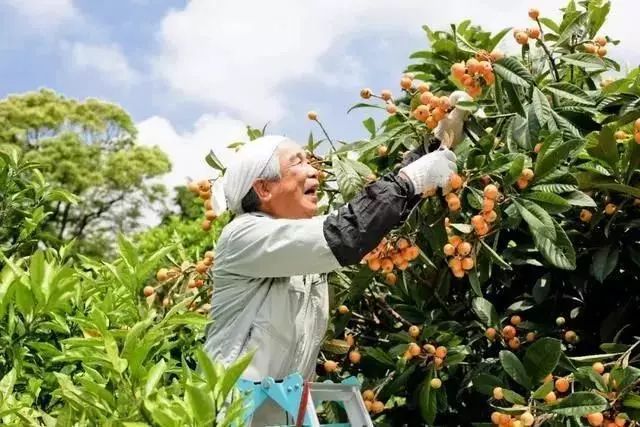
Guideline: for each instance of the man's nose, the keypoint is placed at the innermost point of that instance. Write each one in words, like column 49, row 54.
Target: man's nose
column 312, row 172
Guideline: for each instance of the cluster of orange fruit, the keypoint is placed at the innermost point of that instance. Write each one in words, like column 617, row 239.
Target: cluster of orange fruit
column 561, row 390
column 203, row 190
column 389, row 255
column 459, row 251
column 525, row 178
column 510, row 333
column 476, row 73
column 456, row 182
column 506, row 420
column 597, row 46
column 428, row 352
column 387, row 96
column 171, row 276
column 374, row 406
column 432, row 109
column 522, row 36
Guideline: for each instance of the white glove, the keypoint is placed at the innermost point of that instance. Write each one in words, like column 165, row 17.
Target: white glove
column 450, row 130
column 431, row 170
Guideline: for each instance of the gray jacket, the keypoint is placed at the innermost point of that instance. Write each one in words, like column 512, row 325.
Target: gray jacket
column 271, row 294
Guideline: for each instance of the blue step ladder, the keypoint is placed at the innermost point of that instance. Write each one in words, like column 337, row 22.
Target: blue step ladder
column 299, row 399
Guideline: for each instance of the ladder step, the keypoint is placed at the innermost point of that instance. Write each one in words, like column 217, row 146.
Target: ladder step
column 287, row 393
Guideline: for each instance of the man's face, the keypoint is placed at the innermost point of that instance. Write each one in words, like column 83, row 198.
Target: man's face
column 294, row 195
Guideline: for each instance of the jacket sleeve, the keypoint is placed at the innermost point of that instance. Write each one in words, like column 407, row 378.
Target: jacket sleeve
column 357, row 227
column 260, row 246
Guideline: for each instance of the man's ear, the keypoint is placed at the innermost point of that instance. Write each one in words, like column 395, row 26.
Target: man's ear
column 263, row 190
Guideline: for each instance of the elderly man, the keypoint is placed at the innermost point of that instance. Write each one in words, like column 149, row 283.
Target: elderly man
column 271, row 292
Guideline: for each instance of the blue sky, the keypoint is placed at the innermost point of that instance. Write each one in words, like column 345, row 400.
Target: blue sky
column 193, row 73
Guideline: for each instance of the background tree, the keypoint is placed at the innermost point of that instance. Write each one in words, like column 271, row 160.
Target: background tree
column 87, row 148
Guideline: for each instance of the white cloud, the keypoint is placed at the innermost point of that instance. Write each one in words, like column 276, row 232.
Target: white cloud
column 106, row 60
column 46, row 14
column 188, row 150
column 241, row 55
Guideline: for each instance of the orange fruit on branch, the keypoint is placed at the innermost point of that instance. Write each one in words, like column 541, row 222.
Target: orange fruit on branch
column 330, row 366
column 366, row 93
column 414, row 331
column 405, row 83
column 312, row 115
column 534, row 13
column 148, row 291
column 562, row 385
column 595, row 419
column 522, row 38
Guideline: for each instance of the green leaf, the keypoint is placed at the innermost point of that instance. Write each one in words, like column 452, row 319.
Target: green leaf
column 540, row 222
column 541, row 289
column 560, row 252
column 569, row 91
column 497, row 258
column 154, row 377
column 603, row 146
column 579, row 404
column 554, row 157
column 233, row 373
column 620, row 188
column 213, row 161
column 514, row 368
column 380, row 356
column 631, row 400
column 495, row 40
column 7, row 383
column 486, row 312
column 515, row 170
column 514, row 99
column 127, row 251
column 512, row 70
column 370, row 125
column 598, row 12
column 485, row 383
column 549, row 201
column 364, row 105
column 349, row 181
column 200, row 402
column 513, row 397
column 542, row 358
column 541, row 106
column 428, row 403
column 474, row 280
column 605, row 261
column 578, row 198
column 543, row 390
column 549, row 23
column 554, row 188
column 584, row 60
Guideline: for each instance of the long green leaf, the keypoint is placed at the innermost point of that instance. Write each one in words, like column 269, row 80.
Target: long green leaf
column 560, row 252
column 485, row 311
column 569, row 91
column 514, row 368
column 512, row 70
column 579, row 404
column 541, row 107
column 542, row 358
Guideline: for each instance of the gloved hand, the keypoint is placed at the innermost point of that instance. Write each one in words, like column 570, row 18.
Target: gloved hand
column 431, row 170
column 450, row 130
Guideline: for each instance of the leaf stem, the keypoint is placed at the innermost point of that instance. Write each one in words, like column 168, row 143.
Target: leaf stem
column 552, row 63
column 326, row 134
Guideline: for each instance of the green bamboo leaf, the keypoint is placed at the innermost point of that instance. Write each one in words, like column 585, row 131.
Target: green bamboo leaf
column 154, row 377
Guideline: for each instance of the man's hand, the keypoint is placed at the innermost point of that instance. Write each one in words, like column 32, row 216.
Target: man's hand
column 450, row 130
column 431, row 170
